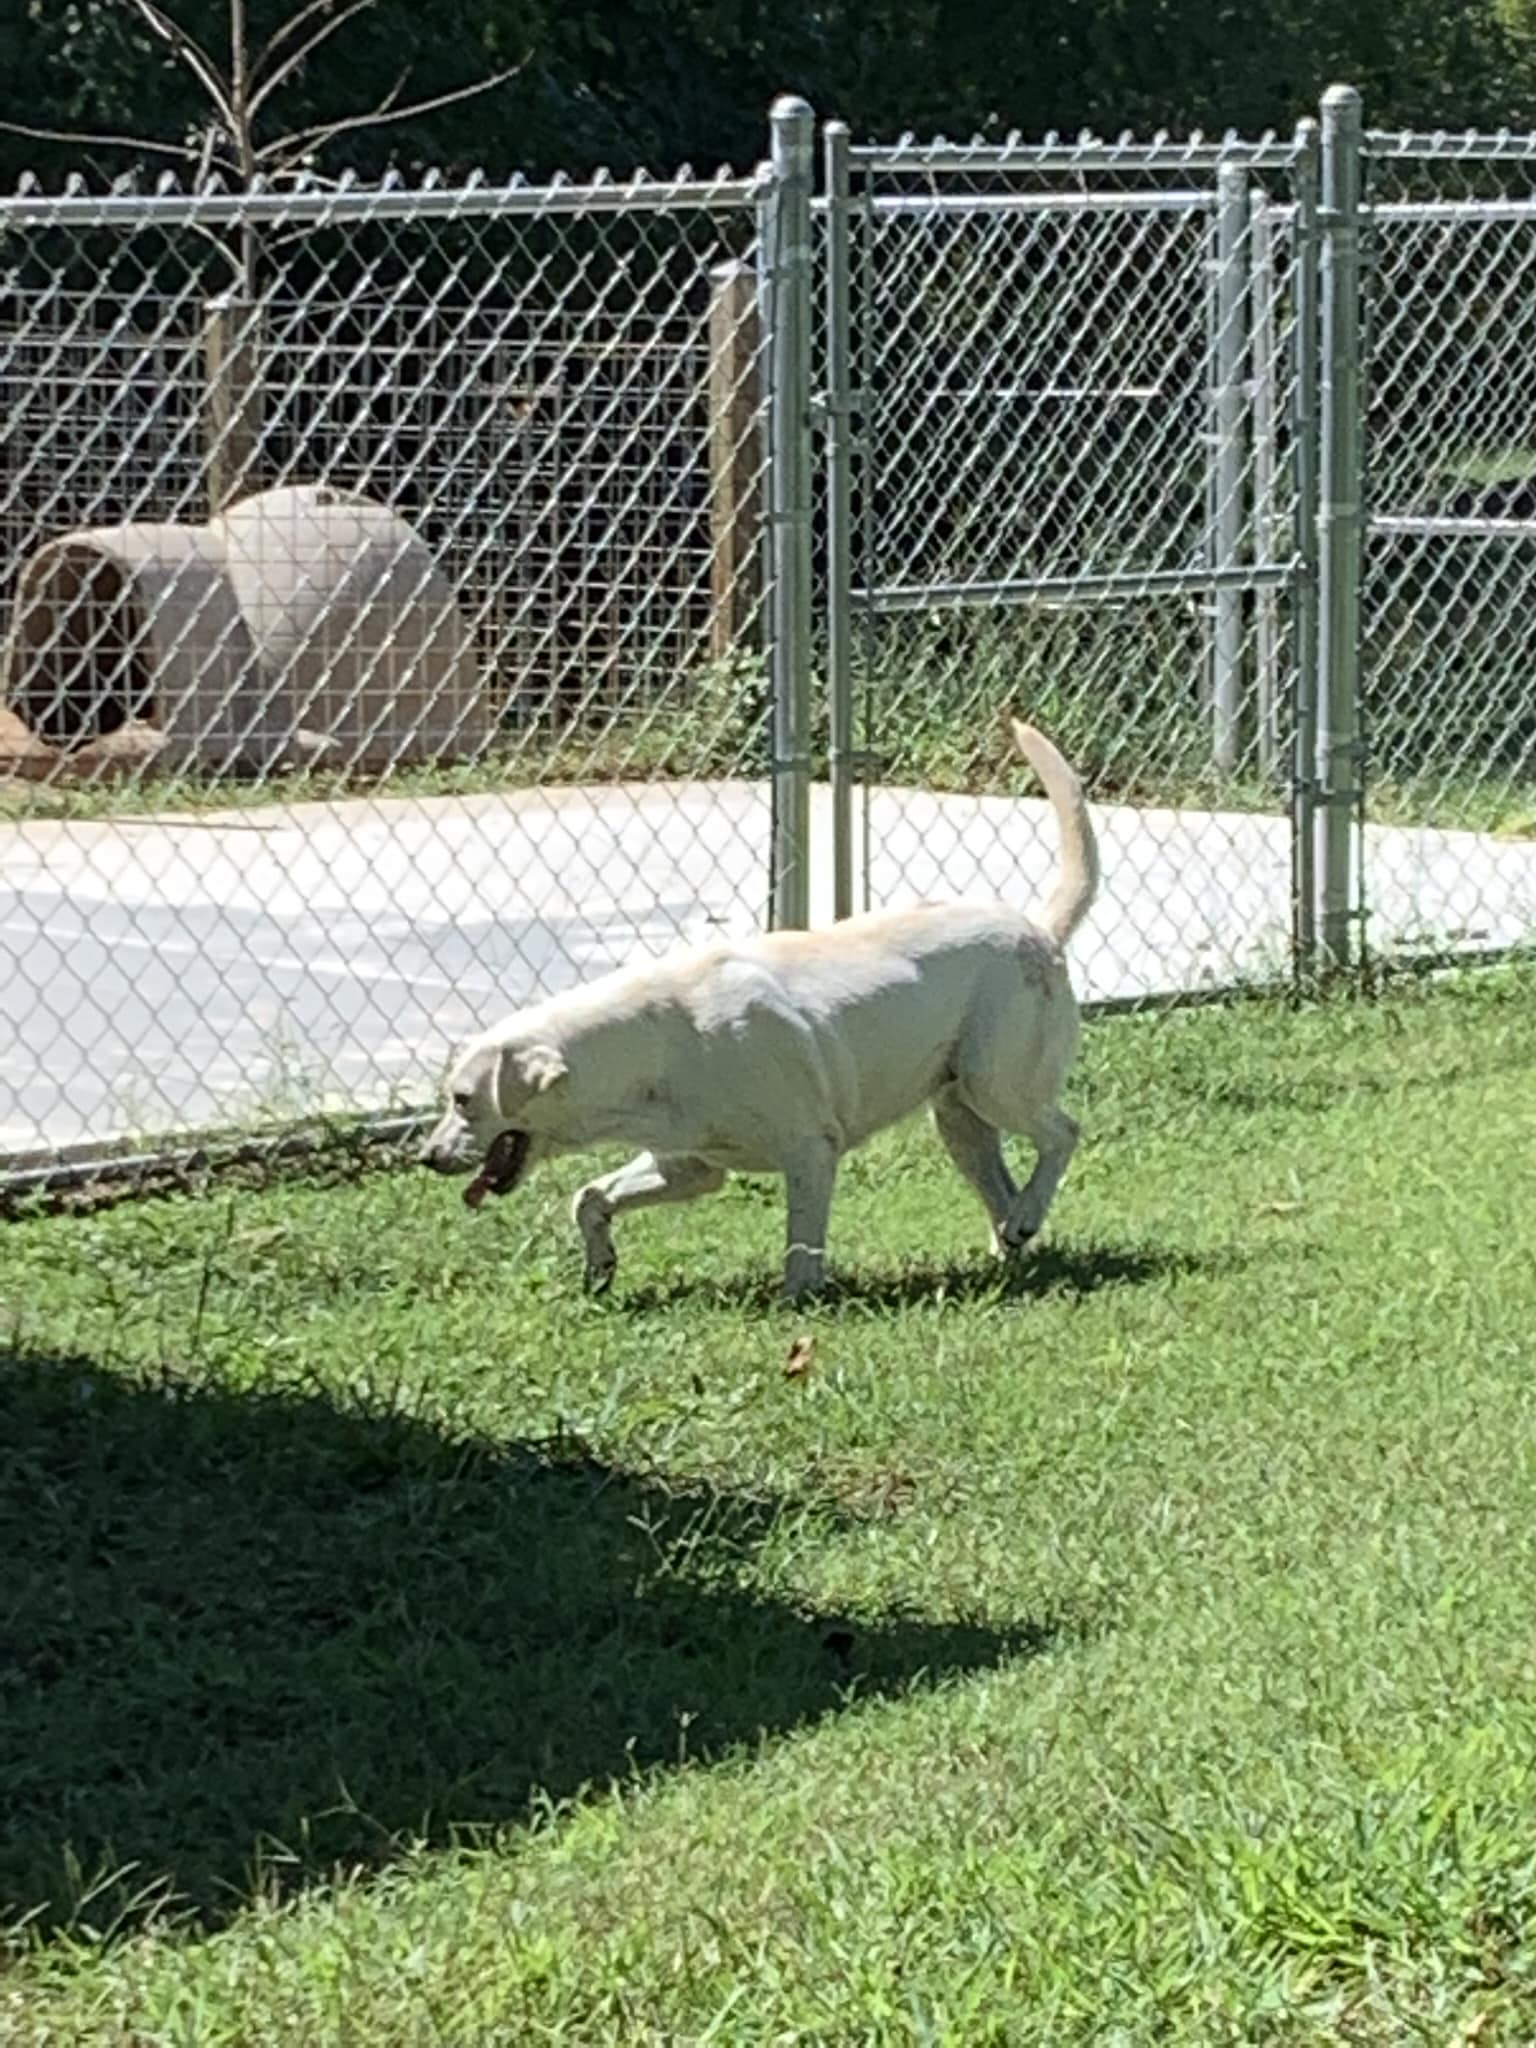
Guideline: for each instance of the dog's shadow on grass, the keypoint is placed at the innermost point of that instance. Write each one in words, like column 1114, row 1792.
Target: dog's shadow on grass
column 259, row 1637
column 1050, row 1268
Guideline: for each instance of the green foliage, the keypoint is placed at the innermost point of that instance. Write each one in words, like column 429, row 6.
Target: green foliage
column 667, row 81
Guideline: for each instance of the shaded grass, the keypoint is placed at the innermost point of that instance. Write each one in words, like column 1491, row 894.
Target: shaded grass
column 1133, row 1648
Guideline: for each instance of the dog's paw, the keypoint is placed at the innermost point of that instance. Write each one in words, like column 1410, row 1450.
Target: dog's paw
column 805, row 1277
column 598, row 1277
column 590, row 1213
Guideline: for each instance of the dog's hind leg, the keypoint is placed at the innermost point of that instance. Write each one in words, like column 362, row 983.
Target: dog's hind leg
column 1054, row 1136
column 647, row 1180
column 976, row 1147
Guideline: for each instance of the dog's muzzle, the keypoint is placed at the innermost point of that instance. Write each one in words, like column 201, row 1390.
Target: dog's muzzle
column 448, row 1147
column 506, row 1161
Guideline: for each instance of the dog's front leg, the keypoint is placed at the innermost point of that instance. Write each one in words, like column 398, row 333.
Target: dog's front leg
column 645, row 1181
column 809, row 1177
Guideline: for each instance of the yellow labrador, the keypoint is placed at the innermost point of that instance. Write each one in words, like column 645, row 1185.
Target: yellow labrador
column 779, row 1054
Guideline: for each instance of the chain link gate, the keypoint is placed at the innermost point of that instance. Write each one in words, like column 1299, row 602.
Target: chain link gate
column 1071, row 397
column 1448, row 570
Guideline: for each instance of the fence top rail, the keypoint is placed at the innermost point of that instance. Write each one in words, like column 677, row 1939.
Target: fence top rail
column 1480, row 212
column 170, row 206
column 1167, row 200
column 1083, row 153
column 1499, row 145
column 968, row 205
column 1447, row 526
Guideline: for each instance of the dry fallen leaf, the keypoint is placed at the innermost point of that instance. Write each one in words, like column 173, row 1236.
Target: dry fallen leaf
column 798, row 1363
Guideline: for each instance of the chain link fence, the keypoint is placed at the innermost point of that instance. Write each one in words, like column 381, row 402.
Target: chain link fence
column 381, row 630
column 415, row 598
column 1448, row 628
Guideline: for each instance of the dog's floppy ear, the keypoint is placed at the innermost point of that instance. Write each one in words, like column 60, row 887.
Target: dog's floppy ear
column 525, row 1071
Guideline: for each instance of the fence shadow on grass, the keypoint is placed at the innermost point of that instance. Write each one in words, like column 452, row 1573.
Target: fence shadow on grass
column 260, row 1631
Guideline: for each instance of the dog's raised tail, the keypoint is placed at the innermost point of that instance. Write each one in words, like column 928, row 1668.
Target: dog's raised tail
column 1078, row 883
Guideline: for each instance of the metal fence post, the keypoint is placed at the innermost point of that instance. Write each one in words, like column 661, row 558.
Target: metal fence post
column 787, row 269
column 838, row 410
column 1340, row 522
column 1229, row 352
column 1304, row 618
column 1263, row 326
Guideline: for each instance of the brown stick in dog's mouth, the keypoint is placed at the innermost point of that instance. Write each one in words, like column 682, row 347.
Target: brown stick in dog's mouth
column 502, row 1168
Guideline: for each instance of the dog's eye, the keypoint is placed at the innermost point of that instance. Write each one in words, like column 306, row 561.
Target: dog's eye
column 460, row 1100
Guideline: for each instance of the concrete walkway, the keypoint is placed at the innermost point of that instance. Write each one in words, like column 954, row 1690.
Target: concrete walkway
column 179, row 972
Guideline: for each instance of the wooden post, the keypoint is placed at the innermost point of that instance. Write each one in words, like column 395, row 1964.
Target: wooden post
column 735, row 458
column 232, row 404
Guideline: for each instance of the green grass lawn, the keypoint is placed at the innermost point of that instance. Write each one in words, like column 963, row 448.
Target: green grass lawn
column 397, row 1648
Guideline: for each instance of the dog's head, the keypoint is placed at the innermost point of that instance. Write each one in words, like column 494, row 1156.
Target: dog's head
column 496, row 1097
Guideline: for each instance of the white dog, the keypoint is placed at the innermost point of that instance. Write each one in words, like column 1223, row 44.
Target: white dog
column 779, row 1054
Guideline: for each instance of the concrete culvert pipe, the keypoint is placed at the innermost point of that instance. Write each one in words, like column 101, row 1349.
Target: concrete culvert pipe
column 121, row 624
column 298, row 625
column 355, row 629
column 85, row 672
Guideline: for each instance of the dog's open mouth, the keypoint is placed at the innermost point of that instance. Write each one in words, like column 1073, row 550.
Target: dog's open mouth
column 502, row 1168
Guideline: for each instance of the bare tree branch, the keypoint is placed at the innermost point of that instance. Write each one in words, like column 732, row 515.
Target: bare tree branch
column 288, row 28
column 285, row 70
column 326, row 131
column 234, row 257
column 291, row 150
column 81, row 135
column 205, row 156
column 236, row 107
column 201, row 157
column 240, row 90
column 191, row 54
